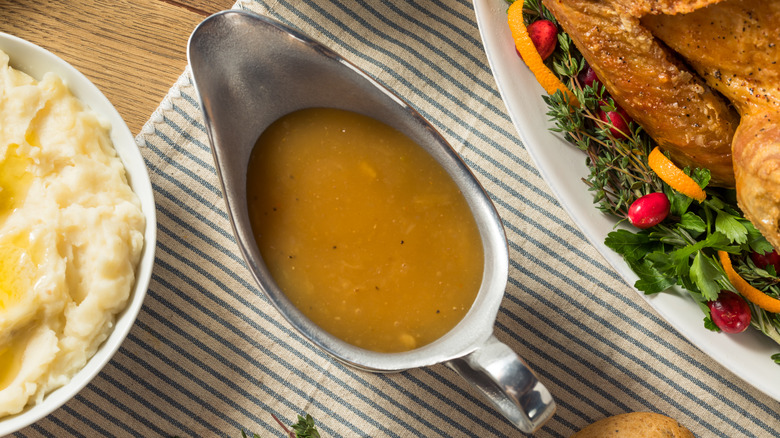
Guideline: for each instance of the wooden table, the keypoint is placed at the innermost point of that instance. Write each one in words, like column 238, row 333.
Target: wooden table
column 133, row 50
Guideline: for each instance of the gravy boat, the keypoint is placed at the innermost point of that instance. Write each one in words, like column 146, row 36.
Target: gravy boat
column 249, row 71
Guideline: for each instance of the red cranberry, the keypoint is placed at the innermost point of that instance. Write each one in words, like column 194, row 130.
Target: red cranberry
column 730, row 312
column 649, row 210
column 588, row 77
column 766, row 259
column 544, row 35
column 618, row 121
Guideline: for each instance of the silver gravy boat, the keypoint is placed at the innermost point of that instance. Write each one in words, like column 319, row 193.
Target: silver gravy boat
column 249, row 71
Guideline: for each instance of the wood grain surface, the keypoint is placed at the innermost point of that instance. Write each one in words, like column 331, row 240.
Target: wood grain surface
column 133, row 50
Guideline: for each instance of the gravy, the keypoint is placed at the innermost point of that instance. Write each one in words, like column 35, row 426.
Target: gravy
column 362, row 229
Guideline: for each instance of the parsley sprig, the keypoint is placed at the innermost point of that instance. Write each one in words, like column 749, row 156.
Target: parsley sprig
column 304, row 428
column 681, row 250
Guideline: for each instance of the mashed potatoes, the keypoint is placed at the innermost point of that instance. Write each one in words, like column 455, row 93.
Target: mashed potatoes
column 71, row 235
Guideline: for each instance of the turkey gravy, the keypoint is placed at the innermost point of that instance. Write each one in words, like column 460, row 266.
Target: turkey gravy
column 362, row 229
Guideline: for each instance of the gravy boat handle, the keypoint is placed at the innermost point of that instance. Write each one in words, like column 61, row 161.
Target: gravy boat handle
column 508, row 383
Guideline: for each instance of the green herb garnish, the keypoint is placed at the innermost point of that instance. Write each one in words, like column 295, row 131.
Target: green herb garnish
column 681, row 250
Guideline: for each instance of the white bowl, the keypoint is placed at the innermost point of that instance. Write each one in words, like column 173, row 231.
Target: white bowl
column 36, row 61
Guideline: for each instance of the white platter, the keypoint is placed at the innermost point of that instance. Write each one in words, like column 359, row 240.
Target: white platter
column 36, row 61
column 563, row 166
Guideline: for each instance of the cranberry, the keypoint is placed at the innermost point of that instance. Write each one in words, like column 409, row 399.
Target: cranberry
column 544, row 35
column 618, row 121
column 649, row 210
column 588, row 77
column 766, row 259
column 730, row 312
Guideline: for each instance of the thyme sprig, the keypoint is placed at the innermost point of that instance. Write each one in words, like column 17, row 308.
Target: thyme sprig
column 619, row 173
column 534, row 10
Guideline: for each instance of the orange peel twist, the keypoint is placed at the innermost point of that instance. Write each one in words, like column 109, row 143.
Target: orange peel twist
column 674, row 176
column 750, row 293
column 525, row 46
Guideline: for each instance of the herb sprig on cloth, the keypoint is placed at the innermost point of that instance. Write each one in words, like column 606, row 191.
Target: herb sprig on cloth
column 304, row 428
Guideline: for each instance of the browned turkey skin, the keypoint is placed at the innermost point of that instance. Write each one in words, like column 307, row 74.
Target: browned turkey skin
column 731, row 47
column 675, row 106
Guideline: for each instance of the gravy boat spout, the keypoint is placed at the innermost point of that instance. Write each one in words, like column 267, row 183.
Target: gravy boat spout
column 249, row 71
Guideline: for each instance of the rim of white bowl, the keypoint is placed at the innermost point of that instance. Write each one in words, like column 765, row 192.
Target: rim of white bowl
column 35, row 61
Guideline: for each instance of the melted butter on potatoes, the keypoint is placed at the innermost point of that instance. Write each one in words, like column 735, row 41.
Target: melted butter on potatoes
column 71, row 235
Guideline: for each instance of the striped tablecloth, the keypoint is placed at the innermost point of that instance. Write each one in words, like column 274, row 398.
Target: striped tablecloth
column 209, row 356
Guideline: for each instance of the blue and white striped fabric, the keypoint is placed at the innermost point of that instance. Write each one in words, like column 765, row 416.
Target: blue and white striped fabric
column 209, row 356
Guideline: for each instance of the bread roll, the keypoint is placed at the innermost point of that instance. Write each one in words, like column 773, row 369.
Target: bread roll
column 635, row 425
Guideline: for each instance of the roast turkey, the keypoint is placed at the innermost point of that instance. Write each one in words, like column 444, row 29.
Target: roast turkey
column 702, row 78
column 733, row 45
